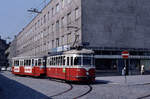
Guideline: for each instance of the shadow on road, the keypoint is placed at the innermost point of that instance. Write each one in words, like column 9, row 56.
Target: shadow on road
column 10, row 89
column 102, row 82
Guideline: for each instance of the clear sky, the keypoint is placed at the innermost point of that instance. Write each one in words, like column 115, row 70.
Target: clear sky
column 14, row 15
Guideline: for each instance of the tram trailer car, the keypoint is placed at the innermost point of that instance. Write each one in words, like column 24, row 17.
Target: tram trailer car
column 73, row 65
column 31, row 66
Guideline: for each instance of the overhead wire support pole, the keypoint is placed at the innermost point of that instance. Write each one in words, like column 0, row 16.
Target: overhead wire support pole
column 34, row 10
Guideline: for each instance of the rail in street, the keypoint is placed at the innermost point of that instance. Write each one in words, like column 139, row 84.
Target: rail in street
column 18, row 87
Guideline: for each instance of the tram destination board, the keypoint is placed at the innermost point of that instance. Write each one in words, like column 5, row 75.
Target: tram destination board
column 125, row 54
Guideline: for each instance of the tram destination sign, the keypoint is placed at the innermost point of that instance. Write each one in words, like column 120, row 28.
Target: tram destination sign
column 125, row 54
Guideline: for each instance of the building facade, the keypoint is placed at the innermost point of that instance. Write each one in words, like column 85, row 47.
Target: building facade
column 106, row 26
column 3, row 47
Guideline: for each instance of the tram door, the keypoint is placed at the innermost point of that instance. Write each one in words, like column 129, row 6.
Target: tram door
column 67, row 69
column 35, row 66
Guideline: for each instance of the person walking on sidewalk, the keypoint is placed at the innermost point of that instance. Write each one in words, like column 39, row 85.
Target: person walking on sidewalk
column 142, row 69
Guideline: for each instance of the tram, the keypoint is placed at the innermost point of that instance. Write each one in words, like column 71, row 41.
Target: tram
column 32, row 66
column 73, row 65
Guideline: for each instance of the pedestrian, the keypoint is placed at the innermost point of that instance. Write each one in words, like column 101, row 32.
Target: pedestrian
column 142, row 69
column 123, row 71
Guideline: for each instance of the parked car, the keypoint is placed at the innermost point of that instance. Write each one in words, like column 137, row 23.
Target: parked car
column 3, row 68
column 9, row 69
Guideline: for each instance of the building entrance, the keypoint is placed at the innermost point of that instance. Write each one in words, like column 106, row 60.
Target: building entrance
column 106, row 66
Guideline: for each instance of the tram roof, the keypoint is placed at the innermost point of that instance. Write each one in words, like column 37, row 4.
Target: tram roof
column 27, row 57
column 83, row 51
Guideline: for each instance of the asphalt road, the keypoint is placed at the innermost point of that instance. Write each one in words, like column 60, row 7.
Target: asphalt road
column 16, row 87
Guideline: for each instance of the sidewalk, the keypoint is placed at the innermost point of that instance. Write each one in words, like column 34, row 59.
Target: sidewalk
column 130, row 80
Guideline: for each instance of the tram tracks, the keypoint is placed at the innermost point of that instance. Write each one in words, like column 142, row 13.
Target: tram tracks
column 71, row 87
column 146, row 96
column 58, row 94
column 90, row 89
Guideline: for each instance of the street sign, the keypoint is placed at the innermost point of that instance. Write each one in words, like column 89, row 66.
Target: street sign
column 125, row 54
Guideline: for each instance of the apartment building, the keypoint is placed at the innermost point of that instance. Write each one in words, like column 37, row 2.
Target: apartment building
column 106, row 26
column 3, row 47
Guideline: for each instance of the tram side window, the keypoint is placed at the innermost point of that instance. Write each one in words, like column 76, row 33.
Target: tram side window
column 24, row 62
column 21, row 63
column 54, row 61
column 77, row 61
column 16, row 63
column 44, row 62
column 36, row 62
column 50, row 61
column 32, row 62
column 67, row 61
column 59, row 60
column 63, row 60
column 29, row 63
column 39, row 62
column 71, row 61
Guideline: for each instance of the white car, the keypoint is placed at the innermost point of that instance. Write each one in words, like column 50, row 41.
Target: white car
column 3, row 68
column 8, row 68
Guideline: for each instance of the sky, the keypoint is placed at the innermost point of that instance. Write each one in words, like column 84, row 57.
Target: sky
column 14, row 16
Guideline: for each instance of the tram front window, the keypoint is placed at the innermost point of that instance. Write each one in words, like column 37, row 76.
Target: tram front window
column 77, row 61
column 87, row 61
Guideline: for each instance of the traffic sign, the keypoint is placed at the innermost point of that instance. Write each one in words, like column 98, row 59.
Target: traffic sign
column 125, row 54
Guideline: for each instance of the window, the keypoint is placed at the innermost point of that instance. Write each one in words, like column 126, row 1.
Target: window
column 32, row 62
column 21, row 63
column 48, row 15
column 39, row 62
column 62, row 40
column 64, row 60
column 77, row 61
column 62, row 21
column 69, row 18
column 67, row 61
column 52, row 27
column 57, row 42
column 35, row 26
column 29, row 62
column 57, row 7
column 53, row 12
column 52, row 43
column 76, row 13
column 71, row 61
column 57, row 26
column 41, row 21
column 44, row 18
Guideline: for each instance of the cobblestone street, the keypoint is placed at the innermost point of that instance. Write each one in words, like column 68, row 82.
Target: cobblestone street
column 16, row 87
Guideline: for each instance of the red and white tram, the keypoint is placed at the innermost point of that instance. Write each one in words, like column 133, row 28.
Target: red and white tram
column 73, row 65
column 31, row 66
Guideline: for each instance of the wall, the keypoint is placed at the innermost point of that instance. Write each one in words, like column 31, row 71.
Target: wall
column 116, row 23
